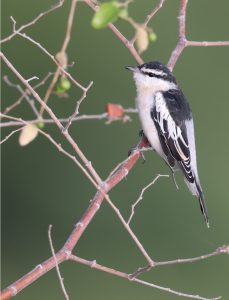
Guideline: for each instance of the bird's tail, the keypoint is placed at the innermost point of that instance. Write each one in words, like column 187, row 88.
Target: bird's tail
column 196, row 190
column 202, row 203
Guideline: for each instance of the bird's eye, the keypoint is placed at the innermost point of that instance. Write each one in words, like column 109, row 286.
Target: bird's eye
column 150, row 74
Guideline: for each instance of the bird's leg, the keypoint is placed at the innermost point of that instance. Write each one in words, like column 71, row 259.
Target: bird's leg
column 141, row 146
column 141, row 133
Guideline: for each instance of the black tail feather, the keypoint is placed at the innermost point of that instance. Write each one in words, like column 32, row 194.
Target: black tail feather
column 203, row 205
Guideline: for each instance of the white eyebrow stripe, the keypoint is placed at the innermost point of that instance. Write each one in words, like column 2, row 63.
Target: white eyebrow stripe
column 156, row 72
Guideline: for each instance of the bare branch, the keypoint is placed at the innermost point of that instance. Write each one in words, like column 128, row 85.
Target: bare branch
column 24, row 95
column 119, row 35
column 141, row 196
column 78, row 103
column 55, row 61
column 183, row 42
column 116, row 176
column 25, row 92
column 16, row 31
column 207, row 43
column 9, row 135
column 57, row 145
column 55, row 119
column 103, row 188
column 149, row 17
column 221, row 250
column 93, row 264
column 102, row 116
column 61, row 53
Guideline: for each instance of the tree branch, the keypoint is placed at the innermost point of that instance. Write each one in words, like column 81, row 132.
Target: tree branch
column 119, row 35
column 16, row 31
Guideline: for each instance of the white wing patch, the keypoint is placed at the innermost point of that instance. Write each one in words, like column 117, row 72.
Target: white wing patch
column 172, row 131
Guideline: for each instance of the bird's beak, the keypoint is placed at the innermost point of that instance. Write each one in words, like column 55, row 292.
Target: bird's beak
column 133, row 69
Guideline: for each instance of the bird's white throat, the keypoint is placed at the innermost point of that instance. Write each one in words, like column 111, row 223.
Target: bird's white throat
column 150, row 85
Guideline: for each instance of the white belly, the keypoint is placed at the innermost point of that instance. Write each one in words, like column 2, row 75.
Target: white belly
column 144, row 105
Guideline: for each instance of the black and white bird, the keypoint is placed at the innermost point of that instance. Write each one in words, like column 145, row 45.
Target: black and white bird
column 167, row 122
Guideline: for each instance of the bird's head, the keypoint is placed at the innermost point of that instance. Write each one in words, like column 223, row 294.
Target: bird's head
column 153, row 75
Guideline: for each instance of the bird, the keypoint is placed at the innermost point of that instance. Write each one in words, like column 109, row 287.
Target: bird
column 167, row 123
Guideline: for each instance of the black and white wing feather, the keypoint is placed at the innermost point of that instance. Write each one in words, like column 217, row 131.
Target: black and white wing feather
column 173, row 120
column 170, row 113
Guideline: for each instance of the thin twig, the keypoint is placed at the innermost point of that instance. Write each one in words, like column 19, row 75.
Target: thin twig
column 61, row 279
column 183, row 42
column 61, row 53
column 54, row 117
column 24, row 95
column 57, row 145
column 119, row 35
column 141, row 196
column 93, row 264
column 77, row 232
column 9, row 135
column 55, row 61
column 76, row 111
column 149, row 17
column 26, row 92
column 102, row 116
column 103, row 187
column 221, row 250
column 207, row 43
column 16, row 31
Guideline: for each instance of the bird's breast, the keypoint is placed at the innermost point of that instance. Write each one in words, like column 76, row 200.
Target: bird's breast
column 145, row 103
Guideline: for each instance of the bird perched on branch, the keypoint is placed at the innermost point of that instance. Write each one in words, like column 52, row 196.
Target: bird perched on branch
column 167, row 122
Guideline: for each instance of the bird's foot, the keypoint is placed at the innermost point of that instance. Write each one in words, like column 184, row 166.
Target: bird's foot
column 137, row 148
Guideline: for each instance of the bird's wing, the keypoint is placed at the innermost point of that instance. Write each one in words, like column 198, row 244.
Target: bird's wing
column 169, row 113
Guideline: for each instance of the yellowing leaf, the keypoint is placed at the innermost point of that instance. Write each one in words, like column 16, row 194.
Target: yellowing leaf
column 142, row 40
column 108, row 12
column 28, row 134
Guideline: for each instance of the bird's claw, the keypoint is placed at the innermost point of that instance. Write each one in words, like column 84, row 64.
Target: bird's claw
column 132, row 149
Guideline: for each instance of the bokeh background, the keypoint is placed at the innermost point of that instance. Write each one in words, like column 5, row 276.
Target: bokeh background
column 41, row 187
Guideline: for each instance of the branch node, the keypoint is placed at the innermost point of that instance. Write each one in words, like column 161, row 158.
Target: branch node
column 14, row 290
column 93, row 263
column 97, row 205
column 39, row 267
column 68, row 253
column 126, row 171
column 223, row 249
column 79, row 224
column 88, row 164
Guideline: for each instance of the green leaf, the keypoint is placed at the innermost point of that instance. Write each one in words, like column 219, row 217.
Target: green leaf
column 152, row 36
column 108, row 12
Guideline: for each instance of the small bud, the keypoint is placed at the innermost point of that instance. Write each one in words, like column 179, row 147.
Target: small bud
column 41, row 125
column 62, row 59
column 142, row 40
column 123, row 13
column 108, row 12
column 65, row 84
column 152, row 36
column 28, row 134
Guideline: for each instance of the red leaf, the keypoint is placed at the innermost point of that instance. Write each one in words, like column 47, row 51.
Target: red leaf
column 114, row 110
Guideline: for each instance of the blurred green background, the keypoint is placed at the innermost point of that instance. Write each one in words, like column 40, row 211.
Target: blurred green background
column 41, row 187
